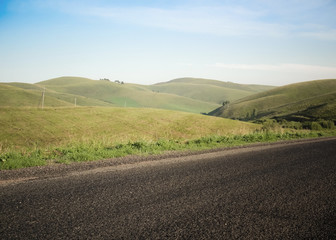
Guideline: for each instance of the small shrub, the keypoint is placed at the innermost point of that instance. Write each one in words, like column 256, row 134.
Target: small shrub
column 269, row 124
column 327, row 124
column 316, row 126
column 137, row 145
column 331, row 125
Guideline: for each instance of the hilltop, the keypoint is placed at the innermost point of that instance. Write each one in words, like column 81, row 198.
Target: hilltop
column 30, row 95
column 186, row 94
column 125, row 95
column 303, row 101
column 208, row 90
column 26, row 95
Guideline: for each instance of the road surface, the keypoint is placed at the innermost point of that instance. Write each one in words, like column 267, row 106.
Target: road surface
column 272, row 191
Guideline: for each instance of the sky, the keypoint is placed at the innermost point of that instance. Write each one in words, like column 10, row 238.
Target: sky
column 271, row 42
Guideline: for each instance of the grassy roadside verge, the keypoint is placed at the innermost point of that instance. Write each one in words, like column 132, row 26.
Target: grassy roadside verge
column 95, row 150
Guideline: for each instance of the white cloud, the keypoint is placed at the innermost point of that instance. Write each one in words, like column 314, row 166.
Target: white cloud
column 229, row 21
column 305, row 18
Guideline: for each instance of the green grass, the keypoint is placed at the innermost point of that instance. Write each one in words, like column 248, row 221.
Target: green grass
column 35, row 137
column 29, row 95
column 312, row 99
column 188, row 94
column 62, row 92
column 91, row 151
column 130, row 95
column 30, row 127
column 13, row 96
column 208, row 90
column 231, row 85
column 31, row 136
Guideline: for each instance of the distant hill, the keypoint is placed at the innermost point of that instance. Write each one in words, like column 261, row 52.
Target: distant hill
column 301, row 101
column 208, row 90
column 125, row 95
column 185, row 94
column 30, row 95
column 12, row 96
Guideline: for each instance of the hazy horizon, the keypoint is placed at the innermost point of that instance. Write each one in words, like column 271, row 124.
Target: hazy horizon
column 146, row 42
column 146, row 84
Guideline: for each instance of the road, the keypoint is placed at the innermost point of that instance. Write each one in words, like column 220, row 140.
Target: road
column 272, row 191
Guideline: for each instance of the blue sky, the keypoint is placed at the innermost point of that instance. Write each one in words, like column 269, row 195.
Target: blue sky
column 256, row 41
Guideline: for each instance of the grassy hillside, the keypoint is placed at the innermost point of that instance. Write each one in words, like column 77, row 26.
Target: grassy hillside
column 186, row 94
column 129, row 95
column 31, row 127
column 208, row 90
column 306, row 101
column 245, row 87
column 11, row 96
column 29, row 95
column 36, row 137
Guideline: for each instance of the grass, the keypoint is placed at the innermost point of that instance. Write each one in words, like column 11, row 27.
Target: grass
column 29, row 95
column 62, row 92
column 35, row 137
column 131, row 95
column 208, row 90
column 292, row 99
column 207, row 93
column 29, row 127
column 95, row 150
column 31, row 136
column 188, row 94
column 245, row 87
column 14, row 96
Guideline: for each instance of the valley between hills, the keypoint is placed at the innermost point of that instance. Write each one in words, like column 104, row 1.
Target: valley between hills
column 71, row 119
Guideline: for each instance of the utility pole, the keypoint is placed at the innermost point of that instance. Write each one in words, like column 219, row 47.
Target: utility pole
column 43, row 93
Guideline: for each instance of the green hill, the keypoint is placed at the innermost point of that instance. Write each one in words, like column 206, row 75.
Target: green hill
column 129, row 95
column 208, row 90
column 301, row 101
column 33, row 137
column 29, row 95
column 11, row 96
column 186, row 94
column 29, row 127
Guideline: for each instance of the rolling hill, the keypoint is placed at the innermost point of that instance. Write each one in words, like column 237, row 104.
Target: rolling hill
column 125, row 95
column 208, row 90
column 30, row 95
column 300, row 102
column 185, row 94
column 30, row 127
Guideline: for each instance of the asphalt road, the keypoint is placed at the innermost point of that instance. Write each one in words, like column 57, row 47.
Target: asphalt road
column 277, row 191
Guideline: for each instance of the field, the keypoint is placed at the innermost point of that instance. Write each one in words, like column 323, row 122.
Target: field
column 35, row 137
column 29, row 95
column 21, row 127
column 208, row 90
column 307, row 101
column 27, row 130
column 188, row 95
column 125, row 119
